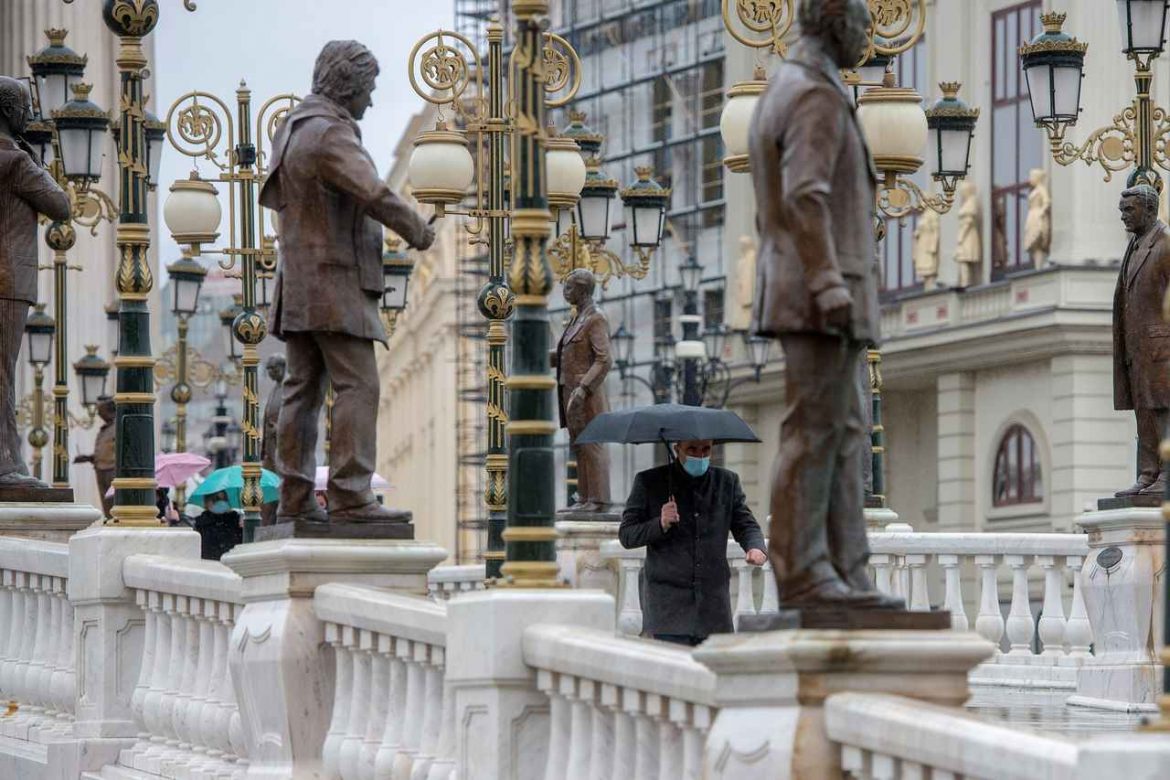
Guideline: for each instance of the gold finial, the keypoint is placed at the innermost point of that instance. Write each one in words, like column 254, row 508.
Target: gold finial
column 81, row 91
column 56, row 36
column 644, row 172
column 950, row 89
column 91, row 349
column 40, row 307
column 1053, row 21
column 391, row 242
column 889, row 79
column 759, row 74
column 238, row 298
column 576, row 116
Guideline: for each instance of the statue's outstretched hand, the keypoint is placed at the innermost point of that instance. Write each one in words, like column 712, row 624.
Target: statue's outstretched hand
column 835, row 305
column 427, row 238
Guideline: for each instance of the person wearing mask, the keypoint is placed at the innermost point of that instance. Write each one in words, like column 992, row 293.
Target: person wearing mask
column 219, row 526
column 682, row 513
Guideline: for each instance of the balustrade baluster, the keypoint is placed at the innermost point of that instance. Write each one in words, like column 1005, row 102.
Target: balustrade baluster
column 989, row 622
column 690, row 762
column 341, row 638
column 199, row 695
column 606, row 722
column 582, row 702
column 152, row 702
column 669, row 739
column 379, row 704
column 1079, row 632
column 217, row 717
column 1052, row 618
column 919, row 597
column 770, row 603
column 630, row 619
column 855, row 762
column 443, row 767
column 559, row 716
column 432, row 712
column 9, row 622
column 178, row 605
column 34, row 660
column 627, row 706
column 50, row 669
column 883, row 572
column 884, row 767
column 189, row 660
column 359, row 707
column 392, row 736
column 645, row 739
column 901, row 578
column 415, row 658
column 953, row 600
column 63, row 685
column 146, row 668
column 744, row 598
column 1020, row 628
column 237, row 750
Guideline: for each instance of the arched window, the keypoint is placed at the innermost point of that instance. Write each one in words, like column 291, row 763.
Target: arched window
column 1018, row 478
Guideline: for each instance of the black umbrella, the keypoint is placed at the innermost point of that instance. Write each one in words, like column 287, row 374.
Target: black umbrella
column 666, row 423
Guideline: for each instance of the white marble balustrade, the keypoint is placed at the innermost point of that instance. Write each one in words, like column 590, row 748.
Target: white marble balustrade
column 184, row 703
column 900, row 562
column 753, row 588
column 392, row 716
column 886, row 737
column 37, row 670
column 443, row 582
column 620, row 707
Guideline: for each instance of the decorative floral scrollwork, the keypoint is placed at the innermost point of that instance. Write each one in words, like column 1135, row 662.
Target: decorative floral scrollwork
column 250, row 327
column 496, row 302
column 131, row 17
column 906, row 198
column 760, row 24
column 196, row 125
column 438, row 64
column 91, row 207
column 896, row 25
column 562, row 69
column 1113, row 147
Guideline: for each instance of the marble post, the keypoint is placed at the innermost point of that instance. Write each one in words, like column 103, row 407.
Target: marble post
column 771, row 687
column 579, row 554
column 1121, row 580
column 501, row 717
column 281, row 668
column 109, row 632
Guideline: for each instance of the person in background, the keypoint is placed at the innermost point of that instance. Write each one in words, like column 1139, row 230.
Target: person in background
column 682, row 513
column 104, row 465
column 220, row 527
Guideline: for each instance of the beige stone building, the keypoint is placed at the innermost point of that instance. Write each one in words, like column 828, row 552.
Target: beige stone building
column 22, row 26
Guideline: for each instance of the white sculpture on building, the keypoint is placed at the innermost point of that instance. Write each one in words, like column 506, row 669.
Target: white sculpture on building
column 1038, row 224
column 926, row 249
column 969, row 245
column 745, row 285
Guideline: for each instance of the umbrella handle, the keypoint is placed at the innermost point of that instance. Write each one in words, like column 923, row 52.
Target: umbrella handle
column 669, row 462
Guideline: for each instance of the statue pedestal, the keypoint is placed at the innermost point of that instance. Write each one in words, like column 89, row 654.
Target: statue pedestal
column 22, row 494
column 303, row 529
column 46, row 521
column 770, row 689
column 847, row 619
column 579, row 538
column 1121, row 582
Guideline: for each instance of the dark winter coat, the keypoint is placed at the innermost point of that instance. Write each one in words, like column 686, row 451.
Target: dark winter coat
column 686, row 577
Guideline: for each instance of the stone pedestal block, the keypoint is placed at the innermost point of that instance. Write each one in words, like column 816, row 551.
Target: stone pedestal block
column 771, row 688
column 52, row 522
column 501, row 719
column 579, row 553
column 281, row 671
column 108, row 625
column 1122, row 582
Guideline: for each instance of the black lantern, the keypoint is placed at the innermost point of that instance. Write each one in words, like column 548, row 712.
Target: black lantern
column 951, row 124
column 1054, row 65
column 187, row 279
column 396, row 268
column 112, row 329
column 39, row 135
column 81, row 126
column 168, row 434
column 593, row 209
column 227, row 318
column 690, row 273
column 156, row 140
column 91, row 372
column 588, row 140
column 1143, row 27
column 666, row 345
column 40, row 328
column 715, row 340
column 57, row 70
column 758, row 348
column 645, row 201
column 623, row 342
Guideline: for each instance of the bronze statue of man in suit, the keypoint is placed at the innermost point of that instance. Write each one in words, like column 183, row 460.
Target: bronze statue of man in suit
column 817, row 280
column 583, row 360
column 26, row 190
column 276, row 367
column 1141, row 338
column 332, row 207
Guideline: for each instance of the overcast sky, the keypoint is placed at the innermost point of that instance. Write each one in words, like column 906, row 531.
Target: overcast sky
column 273, row 44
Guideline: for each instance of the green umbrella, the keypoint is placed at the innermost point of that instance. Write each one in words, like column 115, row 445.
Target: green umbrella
column 231, row 481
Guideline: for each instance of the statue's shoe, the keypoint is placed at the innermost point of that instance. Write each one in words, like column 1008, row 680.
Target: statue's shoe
column 1137, row 487
column 16, row 479
column 369, row 513
column 835, row 593
column 1155, row 488
column 314, row 516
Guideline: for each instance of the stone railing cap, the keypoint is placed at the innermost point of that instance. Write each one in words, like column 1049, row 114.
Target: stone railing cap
column 333, row 556
column 34, row 556
column 407, row 617
column 183, row 577
column 991, row 543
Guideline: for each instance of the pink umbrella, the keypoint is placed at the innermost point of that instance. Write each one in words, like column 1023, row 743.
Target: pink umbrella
column 172, row 469
column 321, row 481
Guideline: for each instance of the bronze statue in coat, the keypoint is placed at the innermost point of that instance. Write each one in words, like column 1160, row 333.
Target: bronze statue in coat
column 275, row 367
column 104, row 456
column 582, row 361
column 332, row 207
column 1141, row 338
column 26, row 191
column 817, row 285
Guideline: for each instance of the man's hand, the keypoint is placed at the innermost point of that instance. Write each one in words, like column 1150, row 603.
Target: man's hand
column 756, row 557
column 669, row 514
column 428, row 238
column 835, row 305
column 83, row 459
column 576, row 398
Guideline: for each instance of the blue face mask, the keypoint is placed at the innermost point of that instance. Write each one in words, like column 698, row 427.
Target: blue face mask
column 696, row 467
column 220, row 507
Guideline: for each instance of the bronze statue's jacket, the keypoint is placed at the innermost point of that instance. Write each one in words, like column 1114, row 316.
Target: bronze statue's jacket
column 583, row 360
column 1141, row 339
column 28, row 190
column 326, row 188
column 814, row 185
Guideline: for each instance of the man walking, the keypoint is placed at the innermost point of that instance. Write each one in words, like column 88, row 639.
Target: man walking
column 1141, row 338
column 682, row 513
column 331, row 200
column 26, row 190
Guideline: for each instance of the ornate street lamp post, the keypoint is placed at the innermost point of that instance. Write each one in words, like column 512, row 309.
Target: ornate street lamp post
column 186, row 282
column 39, row 329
